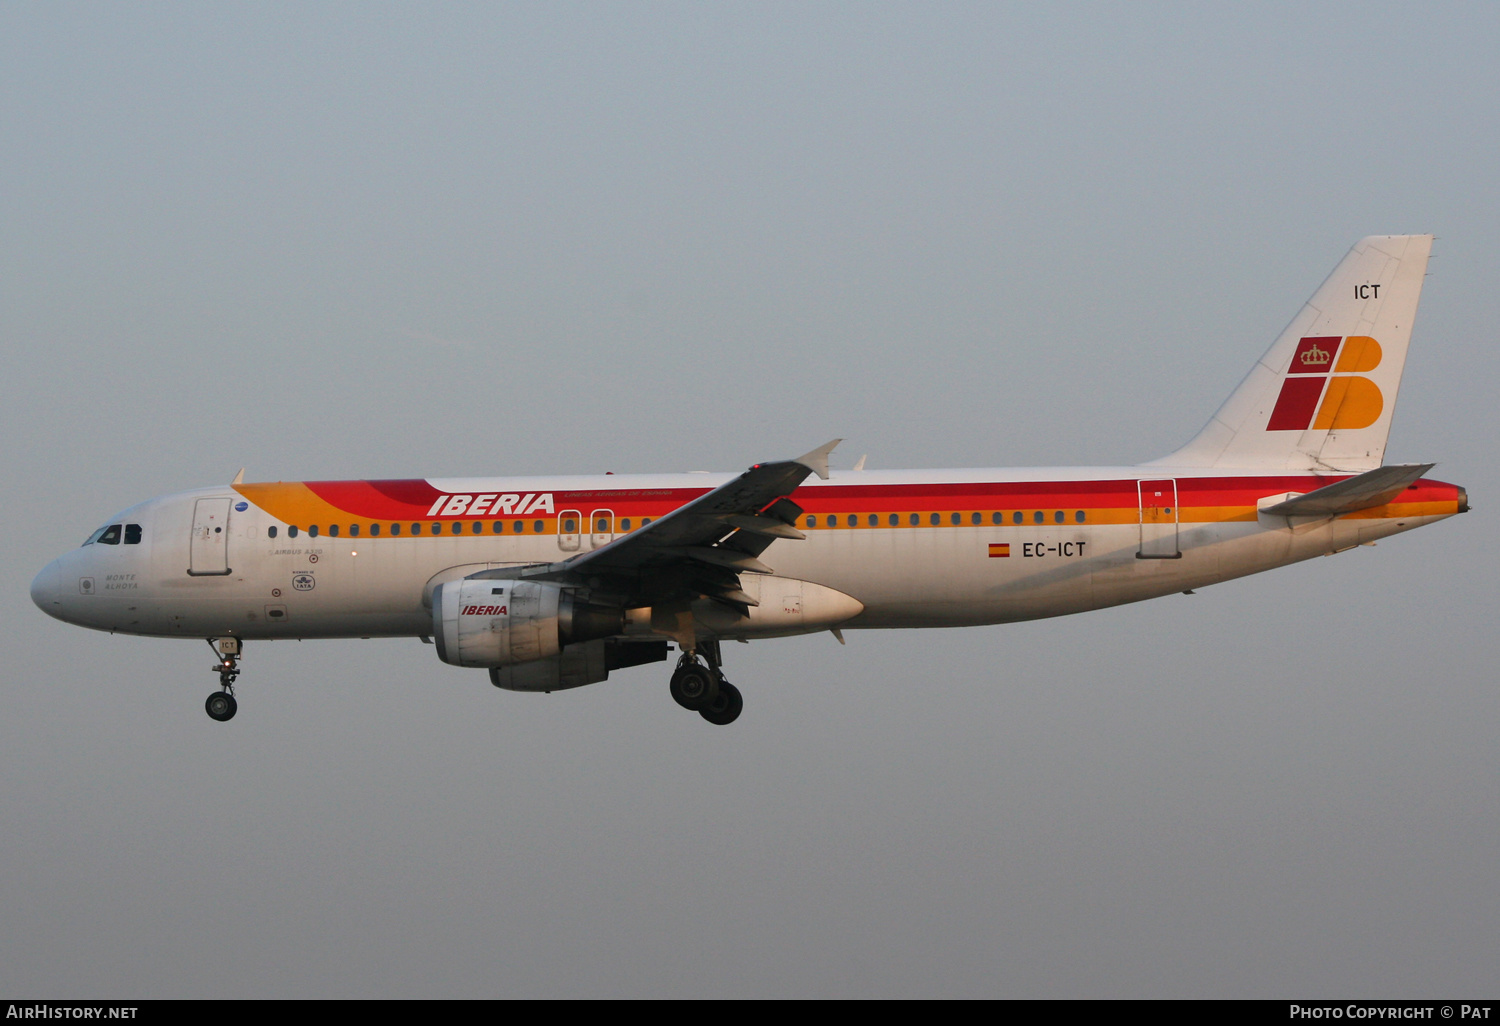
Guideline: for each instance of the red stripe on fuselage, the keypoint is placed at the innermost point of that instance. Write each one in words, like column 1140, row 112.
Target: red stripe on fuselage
column 412, row 499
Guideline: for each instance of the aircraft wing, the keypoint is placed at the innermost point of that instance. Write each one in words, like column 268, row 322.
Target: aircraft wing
column 1372, row 488
column 700, row 548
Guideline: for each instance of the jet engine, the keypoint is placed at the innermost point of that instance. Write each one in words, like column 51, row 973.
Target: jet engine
column 497, row 623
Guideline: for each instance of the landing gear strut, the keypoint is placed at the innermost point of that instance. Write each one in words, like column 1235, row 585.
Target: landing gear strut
column 703, row 689
column 221, row 704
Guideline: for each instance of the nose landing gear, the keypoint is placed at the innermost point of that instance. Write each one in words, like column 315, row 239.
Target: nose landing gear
column 703, row 689
column 221, row 705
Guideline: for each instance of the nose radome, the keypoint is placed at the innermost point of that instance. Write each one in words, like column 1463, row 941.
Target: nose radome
column 46, row 590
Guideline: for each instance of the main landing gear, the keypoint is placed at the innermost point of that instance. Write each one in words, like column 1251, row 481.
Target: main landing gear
column 221, row 704
column 702, row 688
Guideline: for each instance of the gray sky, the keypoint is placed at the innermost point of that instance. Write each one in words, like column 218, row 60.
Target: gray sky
column 379, row 241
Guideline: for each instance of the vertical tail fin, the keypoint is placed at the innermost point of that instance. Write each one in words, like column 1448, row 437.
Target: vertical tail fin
column 1322, row 396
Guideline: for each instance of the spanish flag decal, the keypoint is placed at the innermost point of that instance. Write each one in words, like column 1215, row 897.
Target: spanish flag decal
column 1000, row 550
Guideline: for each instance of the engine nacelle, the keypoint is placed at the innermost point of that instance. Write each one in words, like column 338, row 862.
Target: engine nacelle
column 588, row 662
column 509, row 623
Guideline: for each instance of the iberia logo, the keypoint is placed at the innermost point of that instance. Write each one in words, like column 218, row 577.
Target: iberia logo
column 1326, row 368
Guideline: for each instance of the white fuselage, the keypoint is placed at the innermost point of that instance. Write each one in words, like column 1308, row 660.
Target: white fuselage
column 1078, row 546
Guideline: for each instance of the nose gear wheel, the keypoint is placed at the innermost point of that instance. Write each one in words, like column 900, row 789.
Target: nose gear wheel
column 221, row 705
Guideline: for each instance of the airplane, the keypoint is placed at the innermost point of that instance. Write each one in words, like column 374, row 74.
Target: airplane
column 550, row 583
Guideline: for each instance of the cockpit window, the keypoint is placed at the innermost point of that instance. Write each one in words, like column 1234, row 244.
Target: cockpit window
column 108, row 536
column 96, row 536
column 132, row 534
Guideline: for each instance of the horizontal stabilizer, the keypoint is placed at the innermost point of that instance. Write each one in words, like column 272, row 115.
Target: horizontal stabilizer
column 1372, row 488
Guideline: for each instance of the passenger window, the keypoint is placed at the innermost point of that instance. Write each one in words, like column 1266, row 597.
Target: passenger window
column 477, row 528
column 1017, row 517
column 853, row 520
column 457, row 528
column 812, row 521
column 395, row 529
column 498, row 527
column 1058, row 517
column 955, row 519
column 333, row 530
column 291, row 532
column 570, row 526
column 601, row 526
column 416, row 528
column 935, row 519
column 132, row 534
column 894, row 520
column 537, row 527
column 1039, row 517
column 645, row 521
column 110, row 535
column 354, row 530
column 997, row 518
column 271, row 531
column 915, row 520
column 374, row 530
column 1079, row 516
column 874, row 521
column 975, row 518
column 520, row 527
column 625, row 524
column 312, row 532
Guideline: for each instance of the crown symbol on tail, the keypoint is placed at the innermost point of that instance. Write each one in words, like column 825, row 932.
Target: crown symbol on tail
column 1316, row 356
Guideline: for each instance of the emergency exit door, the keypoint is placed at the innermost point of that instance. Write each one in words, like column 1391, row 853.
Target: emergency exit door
column 601, row 527
column 569, row 524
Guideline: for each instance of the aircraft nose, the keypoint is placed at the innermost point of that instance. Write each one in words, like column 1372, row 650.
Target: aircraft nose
column 46, row 590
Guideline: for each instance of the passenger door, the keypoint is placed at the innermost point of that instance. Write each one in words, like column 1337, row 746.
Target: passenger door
column 1159, row 518
column 208, row 553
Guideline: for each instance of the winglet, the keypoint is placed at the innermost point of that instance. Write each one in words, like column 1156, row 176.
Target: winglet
column 817, row 460
column 239, row 478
